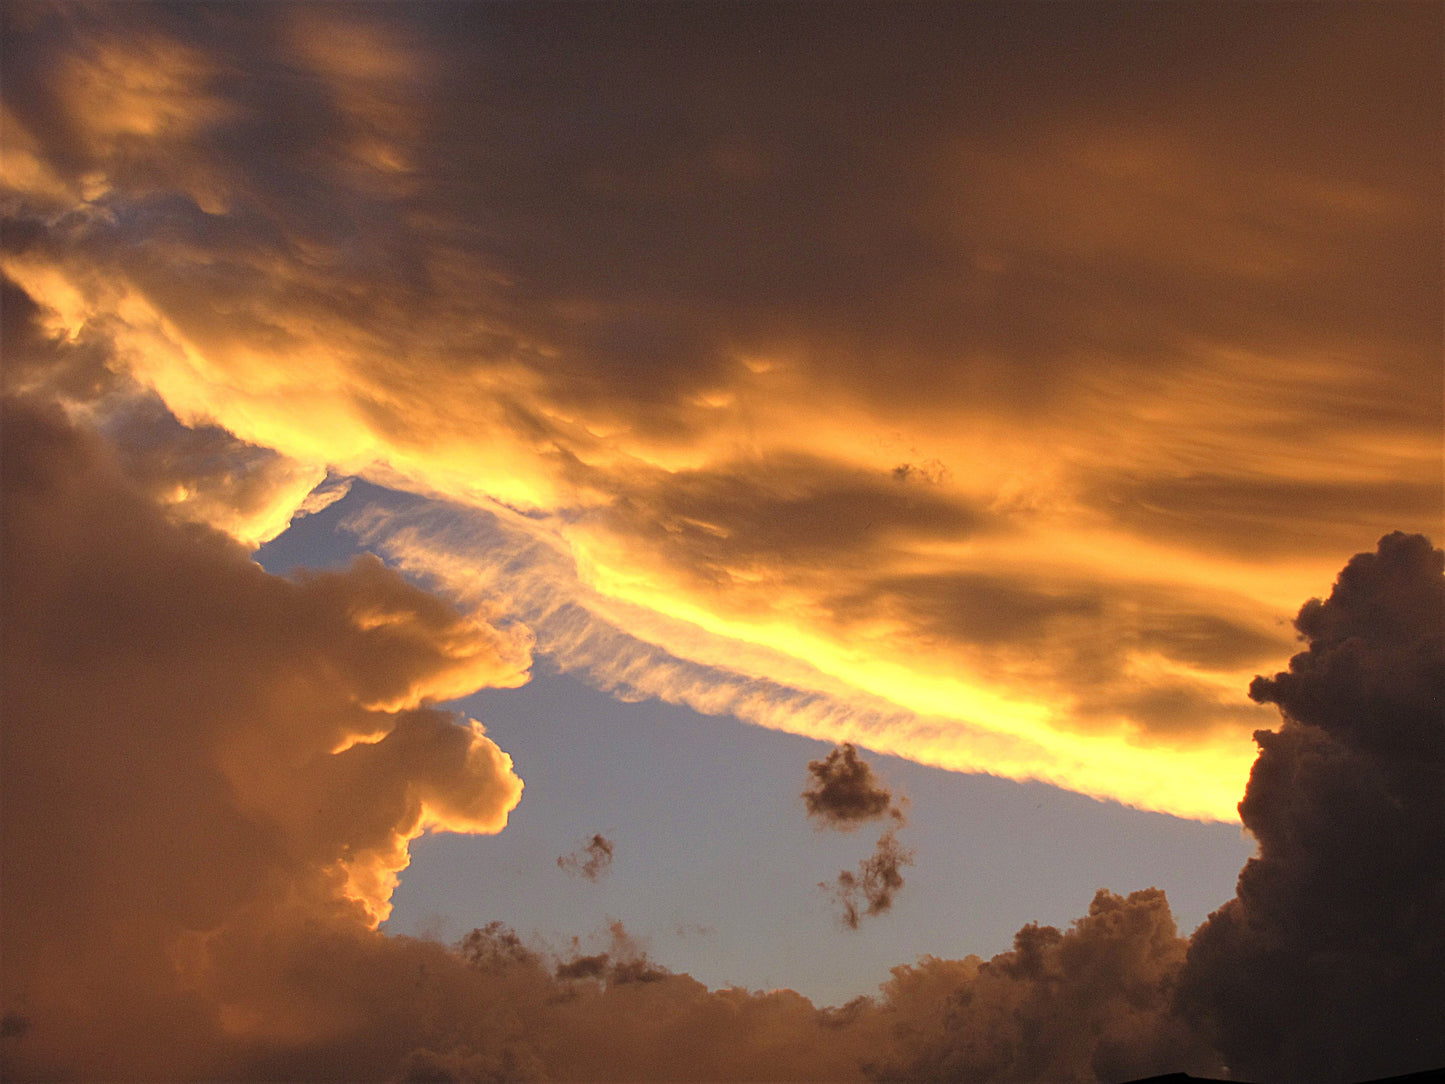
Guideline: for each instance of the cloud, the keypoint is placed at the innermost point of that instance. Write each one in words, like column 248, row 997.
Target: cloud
column 1089, row 1003
column 591, row 860
column 698, row 333
column 195, row 749
column 648, row 310
column 870, row 891
column 269, row 788
column 503, row 562
column 1327, row 963
column 202, row 473
column 845, row 793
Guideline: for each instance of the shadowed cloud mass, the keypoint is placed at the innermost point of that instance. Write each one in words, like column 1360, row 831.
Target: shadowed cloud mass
column 981, row 384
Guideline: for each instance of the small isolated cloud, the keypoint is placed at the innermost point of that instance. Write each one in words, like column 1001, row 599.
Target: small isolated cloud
column 845, row 791
column 845, row 794
column 591, row 860
column 870, row 891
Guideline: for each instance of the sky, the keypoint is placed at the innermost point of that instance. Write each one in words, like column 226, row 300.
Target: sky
column 722, row 541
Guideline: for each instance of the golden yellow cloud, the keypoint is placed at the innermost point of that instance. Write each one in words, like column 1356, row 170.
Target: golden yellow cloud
column 1017, row 431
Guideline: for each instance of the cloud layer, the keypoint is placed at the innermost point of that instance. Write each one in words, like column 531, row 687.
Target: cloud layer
column 1013, row 379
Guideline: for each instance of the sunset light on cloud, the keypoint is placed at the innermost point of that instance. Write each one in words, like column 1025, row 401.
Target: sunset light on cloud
column 981, row 387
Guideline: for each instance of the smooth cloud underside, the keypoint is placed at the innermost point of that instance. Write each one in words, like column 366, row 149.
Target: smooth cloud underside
column 845, row 386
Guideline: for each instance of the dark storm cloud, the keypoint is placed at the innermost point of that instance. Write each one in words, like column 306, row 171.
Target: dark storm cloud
column 906, row 203
column 1328, row 964
column 591, row 860
column 845, row 792
column 641, row 195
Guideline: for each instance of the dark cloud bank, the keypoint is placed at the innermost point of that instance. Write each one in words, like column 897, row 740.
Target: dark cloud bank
column 172, row 912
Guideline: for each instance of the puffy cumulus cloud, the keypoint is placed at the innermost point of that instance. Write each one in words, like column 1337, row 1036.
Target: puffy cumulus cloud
column 1328, row 963
column 1109, row 275
column 1092, row 1003
column 591, row 860
column 198, row 755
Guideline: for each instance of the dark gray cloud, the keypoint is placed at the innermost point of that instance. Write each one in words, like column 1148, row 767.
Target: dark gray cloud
column 1329, row 965
column 591, row 860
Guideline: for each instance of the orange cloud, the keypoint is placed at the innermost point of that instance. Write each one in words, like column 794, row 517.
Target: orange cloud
column 186, row 724
column 1167, row 364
